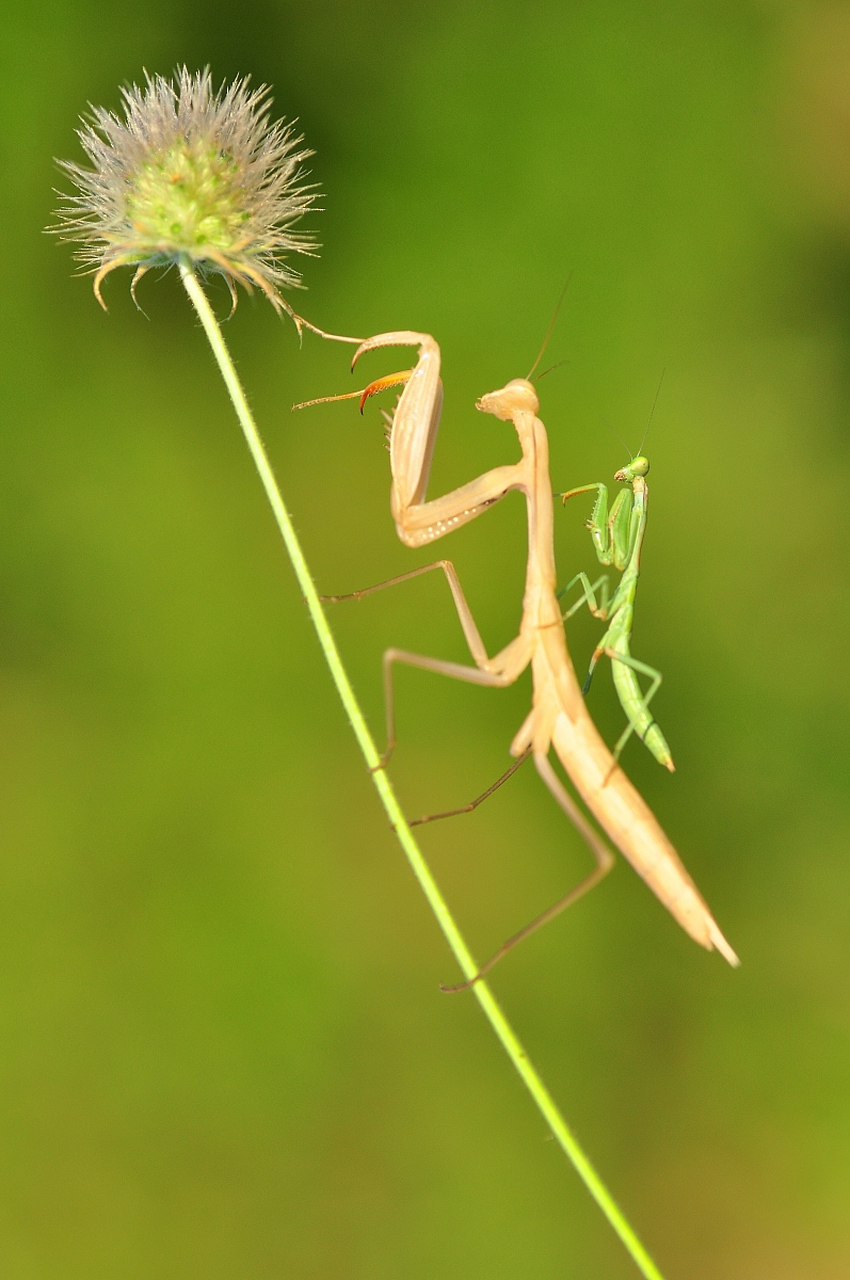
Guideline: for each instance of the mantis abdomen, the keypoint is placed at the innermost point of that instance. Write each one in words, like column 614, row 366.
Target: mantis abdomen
column 634, row 704
column 631, row 825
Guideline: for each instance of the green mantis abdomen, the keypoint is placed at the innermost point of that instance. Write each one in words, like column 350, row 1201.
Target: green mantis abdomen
column 634, row 703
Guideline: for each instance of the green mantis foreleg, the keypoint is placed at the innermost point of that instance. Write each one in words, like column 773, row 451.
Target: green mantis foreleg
column 618, row 538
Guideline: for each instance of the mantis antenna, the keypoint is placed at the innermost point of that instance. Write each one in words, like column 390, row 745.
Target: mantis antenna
column 551, row 369
column 561, row 297
column 651, row 412
column 610, row 424
column 614, row 430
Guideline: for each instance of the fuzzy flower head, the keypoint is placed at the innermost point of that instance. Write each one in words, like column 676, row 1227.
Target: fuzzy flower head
column 194, row 176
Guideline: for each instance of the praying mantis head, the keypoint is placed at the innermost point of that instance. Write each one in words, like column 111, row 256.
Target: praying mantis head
column 638, row 466
column 518, row 396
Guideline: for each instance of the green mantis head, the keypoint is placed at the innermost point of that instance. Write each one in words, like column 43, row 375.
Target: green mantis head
column 637, row 467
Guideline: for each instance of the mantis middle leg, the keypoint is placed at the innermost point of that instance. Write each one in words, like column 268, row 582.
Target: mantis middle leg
column 440, row 667
column 496, row 672
column 588, row 596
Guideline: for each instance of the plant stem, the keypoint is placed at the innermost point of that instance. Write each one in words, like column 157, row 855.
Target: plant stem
column 497, row 1019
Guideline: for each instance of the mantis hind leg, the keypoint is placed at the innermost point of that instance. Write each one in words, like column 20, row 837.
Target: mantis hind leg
column 601, row 852
column 473, row 804
column 635, row 703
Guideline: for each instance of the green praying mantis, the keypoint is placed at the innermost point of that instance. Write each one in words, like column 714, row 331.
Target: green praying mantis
column 618, row 539
column 558, row 717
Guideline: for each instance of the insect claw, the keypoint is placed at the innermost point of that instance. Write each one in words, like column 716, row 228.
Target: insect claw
column 307, row 404
column 451, row 990
column 381, row 384
column 385, row 758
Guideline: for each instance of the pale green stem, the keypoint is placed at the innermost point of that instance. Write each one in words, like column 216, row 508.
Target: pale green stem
column 498, row 1021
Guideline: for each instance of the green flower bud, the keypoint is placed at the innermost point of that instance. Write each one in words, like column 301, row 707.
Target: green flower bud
column 190, row 175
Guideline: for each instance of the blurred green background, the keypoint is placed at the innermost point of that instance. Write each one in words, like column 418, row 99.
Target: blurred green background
column 223, row 1049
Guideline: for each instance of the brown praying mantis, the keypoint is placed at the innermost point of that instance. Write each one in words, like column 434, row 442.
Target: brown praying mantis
column 559, row 717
